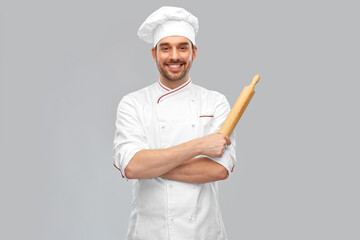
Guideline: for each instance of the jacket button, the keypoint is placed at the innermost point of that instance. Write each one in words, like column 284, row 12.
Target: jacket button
column 193, row 125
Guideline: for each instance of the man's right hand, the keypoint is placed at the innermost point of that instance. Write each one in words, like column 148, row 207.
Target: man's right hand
column 213, row 145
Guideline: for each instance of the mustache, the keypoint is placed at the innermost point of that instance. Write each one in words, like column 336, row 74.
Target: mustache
column 176, row 62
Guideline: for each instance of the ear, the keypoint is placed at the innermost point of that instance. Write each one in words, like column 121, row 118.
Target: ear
column 153, row 53
column 194, row 52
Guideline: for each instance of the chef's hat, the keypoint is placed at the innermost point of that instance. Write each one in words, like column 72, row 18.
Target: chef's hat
column 169, row 21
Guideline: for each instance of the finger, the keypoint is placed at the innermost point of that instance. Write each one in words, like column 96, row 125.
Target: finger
column 228, row 141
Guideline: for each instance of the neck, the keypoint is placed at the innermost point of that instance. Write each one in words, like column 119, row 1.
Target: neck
column 173, row 84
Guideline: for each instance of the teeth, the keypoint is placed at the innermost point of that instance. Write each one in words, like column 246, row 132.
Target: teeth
column 174, row 66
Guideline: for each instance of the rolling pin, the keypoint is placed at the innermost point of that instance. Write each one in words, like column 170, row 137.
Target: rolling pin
column 239, row 107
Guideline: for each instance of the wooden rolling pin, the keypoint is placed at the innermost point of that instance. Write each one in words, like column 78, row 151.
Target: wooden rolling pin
column 239, row 107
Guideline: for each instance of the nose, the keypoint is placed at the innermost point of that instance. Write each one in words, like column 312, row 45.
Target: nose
column 174, row 55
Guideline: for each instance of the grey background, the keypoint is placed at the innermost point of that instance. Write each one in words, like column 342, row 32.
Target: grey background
column 66, row 64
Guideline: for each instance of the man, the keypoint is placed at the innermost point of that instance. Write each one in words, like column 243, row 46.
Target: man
column 166, row 140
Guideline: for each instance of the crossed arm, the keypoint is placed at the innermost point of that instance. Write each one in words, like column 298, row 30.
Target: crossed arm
column 198, row 170
column 181, row 162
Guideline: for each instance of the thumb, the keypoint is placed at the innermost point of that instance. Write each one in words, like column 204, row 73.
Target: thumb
column 228, row 141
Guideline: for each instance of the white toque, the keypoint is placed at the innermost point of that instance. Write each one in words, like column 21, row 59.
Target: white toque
column 169, row 21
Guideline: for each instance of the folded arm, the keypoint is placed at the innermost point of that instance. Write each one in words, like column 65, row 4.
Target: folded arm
column 181, row 159
column 198, row 170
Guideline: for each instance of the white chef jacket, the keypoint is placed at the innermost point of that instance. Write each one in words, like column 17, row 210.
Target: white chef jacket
column 157, row 117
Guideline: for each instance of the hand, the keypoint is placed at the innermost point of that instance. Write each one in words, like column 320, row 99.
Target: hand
column 213, row 145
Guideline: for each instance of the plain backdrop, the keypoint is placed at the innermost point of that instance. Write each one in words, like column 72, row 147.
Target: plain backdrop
column 65, row 65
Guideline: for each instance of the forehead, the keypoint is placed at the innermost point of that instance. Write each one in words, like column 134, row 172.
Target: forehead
column 173, row 40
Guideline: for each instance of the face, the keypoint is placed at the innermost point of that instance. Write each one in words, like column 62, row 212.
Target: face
column 174, row 56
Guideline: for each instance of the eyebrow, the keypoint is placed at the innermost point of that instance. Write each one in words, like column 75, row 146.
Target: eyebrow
column 167, row 44
column 163, row 44
column 184, row 43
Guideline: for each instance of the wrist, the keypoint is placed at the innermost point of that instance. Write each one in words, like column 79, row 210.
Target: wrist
column 198, row 146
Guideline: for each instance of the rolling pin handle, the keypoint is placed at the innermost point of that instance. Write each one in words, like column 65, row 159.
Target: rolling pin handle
column 255, row 80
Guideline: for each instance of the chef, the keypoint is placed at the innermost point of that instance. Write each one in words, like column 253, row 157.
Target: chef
column 166, row 140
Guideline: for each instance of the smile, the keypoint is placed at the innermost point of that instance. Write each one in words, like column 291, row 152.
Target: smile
column 174, row 66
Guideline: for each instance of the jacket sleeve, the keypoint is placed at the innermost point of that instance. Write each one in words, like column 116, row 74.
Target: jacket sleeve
column 129, row 135
column 222, row 109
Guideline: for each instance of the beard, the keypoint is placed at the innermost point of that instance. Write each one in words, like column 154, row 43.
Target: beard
column 171, row 76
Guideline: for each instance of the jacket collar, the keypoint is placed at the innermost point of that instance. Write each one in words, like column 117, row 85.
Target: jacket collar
column 167, row 91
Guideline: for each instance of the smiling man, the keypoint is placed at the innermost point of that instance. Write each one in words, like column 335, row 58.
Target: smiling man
column 174, row 56
column 166, row 140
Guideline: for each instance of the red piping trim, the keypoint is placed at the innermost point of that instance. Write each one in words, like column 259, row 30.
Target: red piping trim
column 233, row 168
column 206, row 116
column 163, row 86
column 119, row 170
column 173, row 91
